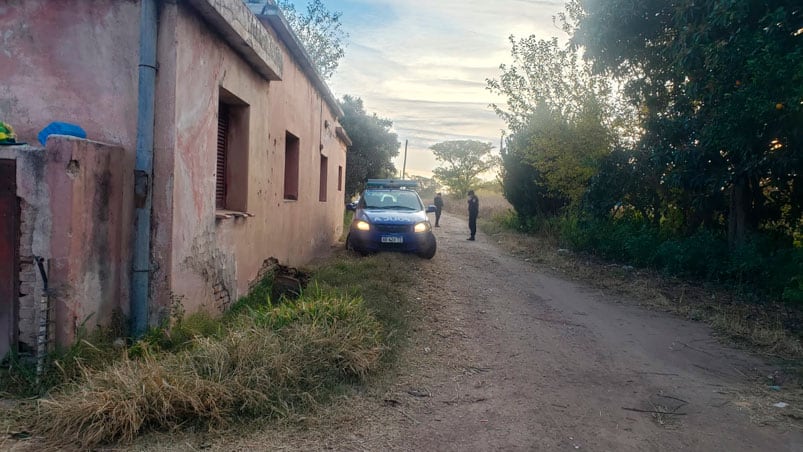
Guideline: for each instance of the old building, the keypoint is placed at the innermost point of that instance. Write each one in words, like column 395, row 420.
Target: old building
column 248, row 158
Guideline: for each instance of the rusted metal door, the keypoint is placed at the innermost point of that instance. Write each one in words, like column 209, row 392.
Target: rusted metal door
column 9, row 227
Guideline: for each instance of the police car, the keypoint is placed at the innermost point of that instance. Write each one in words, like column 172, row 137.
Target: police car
column 390, row 216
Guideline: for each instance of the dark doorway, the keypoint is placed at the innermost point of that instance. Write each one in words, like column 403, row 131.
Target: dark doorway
column 9, row 265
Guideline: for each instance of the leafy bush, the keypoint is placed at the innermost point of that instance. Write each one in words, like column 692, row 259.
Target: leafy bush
column 789, row 274
column 523, row 187
column 762, row 263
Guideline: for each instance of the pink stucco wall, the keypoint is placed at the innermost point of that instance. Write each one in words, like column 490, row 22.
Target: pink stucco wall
column 70, row 61
column 73, row 195
column 91, row 232
column 77, row 61
column 208, row 254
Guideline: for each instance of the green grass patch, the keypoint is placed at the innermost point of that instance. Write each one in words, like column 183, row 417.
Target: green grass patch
column 381, row 281
column 18, row 377
column 266, row 358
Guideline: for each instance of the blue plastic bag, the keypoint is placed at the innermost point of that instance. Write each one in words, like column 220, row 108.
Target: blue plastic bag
column 60, row 128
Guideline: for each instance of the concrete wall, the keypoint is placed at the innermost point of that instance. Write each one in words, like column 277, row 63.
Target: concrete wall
column 70, row 61
column 73, row 195
column 76, row 61
column 215, row 258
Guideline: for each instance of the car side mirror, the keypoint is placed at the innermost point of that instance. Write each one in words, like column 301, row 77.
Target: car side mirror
column 351, row 206
column 431, row 208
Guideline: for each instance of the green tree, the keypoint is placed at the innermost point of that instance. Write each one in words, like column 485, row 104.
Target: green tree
column 427, row 187
column 318, row 28
column 522, row 183
column 563, row 121
column 718, row 84
column 373, row 145
column 545, row 74
column 464, row 161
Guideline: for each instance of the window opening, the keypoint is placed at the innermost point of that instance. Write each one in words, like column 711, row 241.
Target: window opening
column 291, row 150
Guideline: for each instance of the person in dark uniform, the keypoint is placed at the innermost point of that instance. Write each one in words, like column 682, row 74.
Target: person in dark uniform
column 438, row 201
column 473, row 211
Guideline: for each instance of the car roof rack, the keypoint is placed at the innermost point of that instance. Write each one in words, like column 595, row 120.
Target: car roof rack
column 391, row 183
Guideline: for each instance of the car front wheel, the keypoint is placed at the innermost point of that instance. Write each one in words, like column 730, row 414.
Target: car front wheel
column 350, row 246
column 430, row 252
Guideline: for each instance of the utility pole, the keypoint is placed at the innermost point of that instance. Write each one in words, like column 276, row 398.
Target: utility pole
column 404, row 165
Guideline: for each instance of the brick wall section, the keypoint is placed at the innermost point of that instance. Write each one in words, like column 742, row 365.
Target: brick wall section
column 222, row 297
column 30, row 287
column 29, row 292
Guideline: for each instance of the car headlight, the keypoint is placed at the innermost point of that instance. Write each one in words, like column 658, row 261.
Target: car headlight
column 363, row 225
column 422, row 227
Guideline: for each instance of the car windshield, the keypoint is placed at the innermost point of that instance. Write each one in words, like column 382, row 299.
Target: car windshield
column 391, row 199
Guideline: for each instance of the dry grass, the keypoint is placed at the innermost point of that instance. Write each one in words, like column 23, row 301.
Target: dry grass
column 491, row 205
column 760, row 404
column 118, row 403
column 269, row 363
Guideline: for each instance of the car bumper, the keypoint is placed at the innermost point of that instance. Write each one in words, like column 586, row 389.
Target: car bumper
column 370, row 241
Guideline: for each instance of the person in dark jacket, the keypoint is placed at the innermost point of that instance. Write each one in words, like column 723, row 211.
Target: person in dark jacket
column 438, row 201
column 473, row 211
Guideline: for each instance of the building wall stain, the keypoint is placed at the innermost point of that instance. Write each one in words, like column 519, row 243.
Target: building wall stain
column 215, row 268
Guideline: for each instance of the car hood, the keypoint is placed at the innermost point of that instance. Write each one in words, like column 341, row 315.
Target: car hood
column 390, row 216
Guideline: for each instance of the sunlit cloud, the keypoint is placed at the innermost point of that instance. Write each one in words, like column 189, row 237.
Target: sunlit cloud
column 423, row 64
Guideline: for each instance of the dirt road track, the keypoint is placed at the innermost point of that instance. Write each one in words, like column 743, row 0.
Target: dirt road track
column 541, row 363
column 505, row 356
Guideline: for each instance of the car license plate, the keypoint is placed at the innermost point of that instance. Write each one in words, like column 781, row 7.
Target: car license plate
column 392, row 239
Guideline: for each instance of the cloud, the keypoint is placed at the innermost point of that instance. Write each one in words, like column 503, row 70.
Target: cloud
column 423, row 64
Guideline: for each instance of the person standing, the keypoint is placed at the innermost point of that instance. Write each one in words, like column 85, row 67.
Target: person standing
column 473, row 211
column 438, row 201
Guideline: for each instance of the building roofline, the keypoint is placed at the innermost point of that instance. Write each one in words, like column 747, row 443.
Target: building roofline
column 344, row 137
column 273, row 15
column 246, row 35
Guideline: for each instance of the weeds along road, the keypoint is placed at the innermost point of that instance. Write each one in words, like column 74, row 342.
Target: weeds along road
column 505, row 356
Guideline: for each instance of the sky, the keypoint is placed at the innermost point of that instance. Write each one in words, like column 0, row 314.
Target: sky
column 423, row 65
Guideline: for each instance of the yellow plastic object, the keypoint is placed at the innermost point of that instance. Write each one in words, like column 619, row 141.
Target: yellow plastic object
column 7, row 133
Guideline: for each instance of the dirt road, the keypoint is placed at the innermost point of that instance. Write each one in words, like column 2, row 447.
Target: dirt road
column 535, row 362
column 508, row 357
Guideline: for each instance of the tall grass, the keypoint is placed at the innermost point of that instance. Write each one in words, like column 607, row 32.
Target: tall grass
column 275, row 362
column 492, row 204
column 267, row 358
column 381, row 281
column 91, row 350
